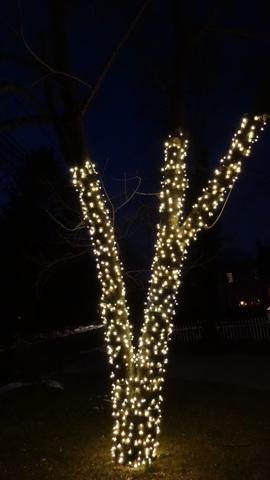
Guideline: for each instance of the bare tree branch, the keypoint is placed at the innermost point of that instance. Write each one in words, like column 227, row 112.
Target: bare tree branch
column 42, row 280
column 42, row 62
column 148, row 194
column 221, row 211
column 112, row 58
column 240, row 33
column 80, row 226
column 131, row 196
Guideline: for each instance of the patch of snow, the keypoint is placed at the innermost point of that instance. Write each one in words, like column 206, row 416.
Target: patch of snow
column 75, row 331
column 43, row 337
column 54, row 384
column 87, row 328
column 13, row 386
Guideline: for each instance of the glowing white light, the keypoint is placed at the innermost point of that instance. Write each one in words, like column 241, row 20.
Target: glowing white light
column 138, row 377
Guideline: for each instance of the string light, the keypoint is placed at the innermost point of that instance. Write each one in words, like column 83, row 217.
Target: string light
column 138, row 376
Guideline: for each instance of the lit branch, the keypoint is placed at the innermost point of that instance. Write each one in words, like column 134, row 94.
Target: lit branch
column 165, row 267
column 113, row 304
column 213, row 195
column 161, row 299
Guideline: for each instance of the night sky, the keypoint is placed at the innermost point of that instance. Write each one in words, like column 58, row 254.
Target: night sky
column 145, row 68
column 224, row 77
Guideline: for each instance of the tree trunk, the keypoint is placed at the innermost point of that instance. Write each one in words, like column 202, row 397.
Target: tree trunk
column 136, row 426
column 138, row 377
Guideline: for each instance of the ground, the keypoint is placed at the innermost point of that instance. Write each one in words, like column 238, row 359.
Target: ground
column 212, row 429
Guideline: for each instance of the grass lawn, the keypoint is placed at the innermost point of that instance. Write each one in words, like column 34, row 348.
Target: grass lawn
column 210, row 431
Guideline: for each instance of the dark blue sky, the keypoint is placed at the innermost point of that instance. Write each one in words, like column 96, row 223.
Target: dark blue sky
column 129, row 118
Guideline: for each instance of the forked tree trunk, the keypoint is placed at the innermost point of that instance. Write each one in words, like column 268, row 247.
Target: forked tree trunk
column 138, row 376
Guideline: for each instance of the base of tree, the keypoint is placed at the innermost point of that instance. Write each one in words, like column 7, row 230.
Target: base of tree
column 135, row 435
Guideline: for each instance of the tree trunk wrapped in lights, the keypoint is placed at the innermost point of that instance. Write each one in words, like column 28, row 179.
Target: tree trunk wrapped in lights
column 138, row 376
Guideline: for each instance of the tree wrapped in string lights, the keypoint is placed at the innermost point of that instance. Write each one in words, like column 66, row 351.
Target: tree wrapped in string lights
column 138, row 374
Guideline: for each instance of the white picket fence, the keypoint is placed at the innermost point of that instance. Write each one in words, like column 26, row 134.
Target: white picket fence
column 189, row 334
column 255, row 329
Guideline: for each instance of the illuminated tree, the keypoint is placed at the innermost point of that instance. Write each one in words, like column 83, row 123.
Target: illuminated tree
column 138, row 374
